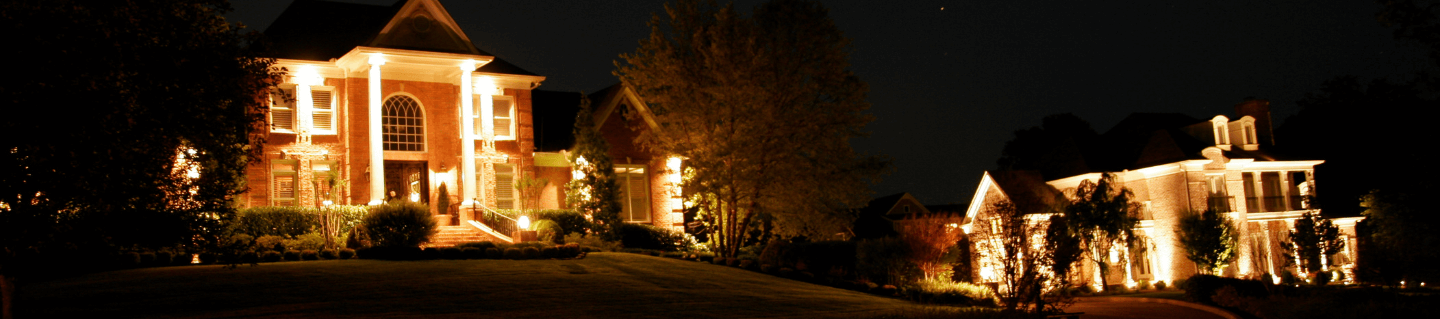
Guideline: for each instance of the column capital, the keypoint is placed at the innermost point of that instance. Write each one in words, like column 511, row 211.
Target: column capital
column 376, row 59
column 467, row 65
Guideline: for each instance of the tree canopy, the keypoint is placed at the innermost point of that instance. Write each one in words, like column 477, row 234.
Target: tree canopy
column 1209, row 239
column 1055, row 148
column 1102, row 215
column 129, row 123
column 1311, row 238
column 762, row 107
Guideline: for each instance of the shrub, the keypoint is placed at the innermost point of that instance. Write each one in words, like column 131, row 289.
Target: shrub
column 944, row 291
column 1143, row 285
column 452, row 253
column 773, row 251
column 307, row 241
column 1201, row 288
column 271, row 242
column 275, row 220
column 1321, row 278
column 549, row 252
column 548, row 231
column 649, row 237
column 472, row 253
column 592, row 242
column 493, row 253
column 530, row 253
column 482, row 245
column 430, row 253
column 1160, row 285
column 309, row 254
column 1288, row 278
column 128, row 259
column 292, row 255
column 164, row 258
column 825, row 258
column 391, row 253
column 513, row 253
column 249, row 257
column 271, row 256
column 347, row 253
column 208, row 258
column 147, row 259
column 329, row 254
column 885, row 261
column 357, row 238
column 400, row 224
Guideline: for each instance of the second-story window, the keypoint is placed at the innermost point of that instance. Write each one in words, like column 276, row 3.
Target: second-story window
column 322, row 112
column 282, row 109
column 504, row 108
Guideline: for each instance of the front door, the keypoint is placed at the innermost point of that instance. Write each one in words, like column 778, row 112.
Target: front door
column 407, row 180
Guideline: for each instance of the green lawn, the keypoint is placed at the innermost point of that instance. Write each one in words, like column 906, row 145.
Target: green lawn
column 601, row 285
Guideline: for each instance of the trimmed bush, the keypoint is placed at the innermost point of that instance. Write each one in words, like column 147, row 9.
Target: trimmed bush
column 547, row 231
column 391, row 253
column 307, row 241
column 147, row 259
column 329, row 254
column 452, row 253
column 292, row 255
column 530, row 253
column 309, row 255
column 549, row 252
column 400, row 224
column 271, row 242
column 1200, row 288
column 493, row 253
column 273, row 220
column 164, row 258
column 472, row 253
column 513, row 253
column 271, row 256
column 347, row 253
column 649, row 237
column 431, row 253
column 482, row 245
column 1160, row 285
column 1143, row 285
column 249, row 257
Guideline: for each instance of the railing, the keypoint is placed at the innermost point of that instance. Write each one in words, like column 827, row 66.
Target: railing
column 495, row 220
column 1269, row 204
column 1221, row 203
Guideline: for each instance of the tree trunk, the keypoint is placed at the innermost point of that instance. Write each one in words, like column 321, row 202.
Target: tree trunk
column 7, row 296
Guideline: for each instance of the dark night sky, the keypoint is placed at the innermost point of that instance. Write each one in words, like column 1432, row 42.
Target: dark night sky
column 948, row 87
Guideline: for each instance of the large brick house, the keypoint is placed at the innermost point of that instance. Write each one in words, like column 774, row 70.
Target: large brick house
column 394, row 102
column 1177, row 165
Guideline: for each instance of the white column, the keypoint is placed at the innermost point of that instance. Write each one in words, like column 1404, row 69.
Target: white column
column 303, row 107
column 467, row 133
column 377, row 155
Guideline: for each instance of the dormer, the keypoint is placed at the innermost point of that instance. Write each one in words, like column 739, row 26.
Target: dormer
column 1219, row 128
column 1244, row 129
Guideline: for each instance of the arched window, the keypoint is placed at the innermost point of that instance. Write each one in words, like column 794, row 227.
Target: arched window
column 403, row 125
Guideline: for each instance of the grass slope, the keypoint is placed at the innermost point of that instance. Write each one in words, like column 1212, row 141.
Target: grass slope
column 601, row 285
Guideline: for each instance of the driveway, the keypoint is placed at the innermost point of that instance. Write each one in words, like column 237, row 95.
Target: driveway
column 1138, row 308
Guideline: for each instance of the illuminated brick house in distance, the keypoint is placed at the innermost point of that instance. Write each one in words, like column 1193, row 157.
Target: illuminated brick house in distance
column 391, row 102
column 1176, row 165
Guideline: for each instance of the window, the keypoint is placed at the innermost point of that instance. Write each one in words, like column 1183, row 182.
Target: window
column 1221, row 134
column 634, row 195
column 505, row 186
column 1219, row 198
column 1249, row 134
column 403, row 125
column 322, row 113
column 282, row 109
column 504, row 118
column 282, row 182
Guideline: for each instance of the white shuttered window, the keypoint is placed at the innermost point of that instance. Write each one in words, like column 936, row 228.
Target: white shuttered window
column 322, row 113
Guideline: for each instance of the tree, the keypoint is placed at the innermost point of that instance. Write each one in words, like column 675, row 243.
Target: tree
column 1030, row 255
column 136, row 131
column 1054, row 148
column 1394, row 227
column 1209, row 239
column 1312, row 238
column 596, row 192
column 1103, row 216
column 762, row 107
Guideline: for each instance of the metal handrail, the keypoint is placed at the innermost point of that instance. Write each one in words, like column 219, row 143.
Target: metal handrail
column 508, row 228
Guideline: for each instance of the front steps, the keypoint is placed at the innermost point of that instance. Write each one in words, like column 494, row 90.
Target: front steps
column 455, row 235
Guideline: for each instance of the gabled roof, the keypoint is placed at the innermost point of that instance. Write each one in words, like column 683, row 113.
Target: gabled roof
column 1027, row 189
column 323, row 30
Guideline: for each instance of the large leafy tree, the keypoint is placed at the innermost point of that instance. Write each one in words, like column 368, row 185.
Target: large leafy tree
column 1055, row 148
column 762, row 106
column 128, row 123
column 1396, row 226
column 1103, row 216
column 597, row 192
column 1209, row 239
